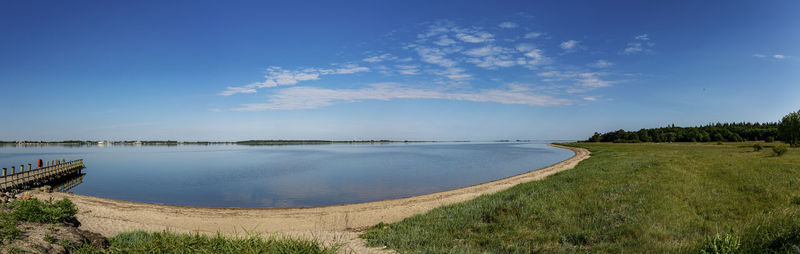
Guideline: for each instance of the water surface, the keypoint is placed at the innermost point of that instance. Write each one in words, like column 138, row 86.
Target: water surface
column 288, row 176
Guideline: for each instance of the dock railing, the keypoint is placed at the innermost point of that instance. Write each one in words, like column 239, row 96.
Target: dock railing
column 52, row 170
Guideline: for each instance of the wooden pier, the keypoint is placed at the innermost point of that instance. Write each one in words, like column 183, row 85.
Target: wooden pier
column 19, row 178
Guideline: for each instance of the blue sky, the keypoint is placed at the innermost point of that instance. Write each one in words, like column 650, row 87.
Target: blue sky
column 416, row 70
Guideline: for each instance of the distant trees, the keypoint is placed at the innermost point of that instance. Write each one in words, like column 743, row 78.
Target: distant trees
column 789, row 129
column 719, row 132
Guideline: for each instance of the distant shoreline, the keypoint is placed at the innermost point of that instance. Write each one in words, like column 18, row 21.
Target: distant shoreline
column 245, row 142
column 174, row 143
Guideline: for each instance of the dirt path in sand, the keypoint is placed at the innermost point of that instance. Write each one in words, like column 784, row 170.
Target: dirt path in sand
column 340, row 223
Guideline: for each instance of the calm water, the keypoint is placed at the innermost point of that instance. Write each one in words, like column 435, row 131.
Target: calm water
column 288, row 176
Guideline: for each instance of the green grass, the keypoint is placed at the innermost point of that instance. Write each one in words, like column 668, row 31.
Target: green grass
column 63, row 211
column 626, row 198
column 33, row 210
column 169, row 242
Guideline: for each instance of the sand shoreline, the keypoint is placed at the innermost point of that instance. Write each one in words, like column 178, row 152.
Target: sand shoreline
column 328, row 223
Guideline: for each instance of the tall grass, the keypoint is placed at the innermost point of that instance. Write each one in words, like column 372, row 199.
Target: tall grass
column 626, row 198
column 169, row 242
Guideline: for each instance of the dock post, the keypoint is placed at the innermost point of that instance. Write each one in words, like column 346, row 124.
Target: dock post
column 21, row 168
column 5, row 171
column 13, row 169
column 29, row 167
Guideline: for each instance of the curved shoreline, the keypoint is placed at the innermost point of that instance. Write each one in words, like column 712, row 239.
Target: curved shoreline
column 109, row 217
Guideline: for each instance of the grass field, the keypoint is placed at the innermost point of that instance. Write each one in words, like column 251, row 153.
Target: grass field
column 647, row 197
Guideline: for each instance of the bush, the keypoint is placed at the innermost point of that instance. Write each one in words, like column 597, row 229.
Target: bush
column 34, row 210
column 769, row 139
column 779, row 150
column 757, row 147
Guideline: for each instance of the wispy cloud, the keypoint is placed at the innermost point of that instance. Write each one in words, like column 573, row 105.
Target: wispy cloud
column 507, row 25
column 444, row 40
column 435, row 56
column 379, row 58
column 601, row 64
column 533, row 35
column 578, row 82
column 231, row 90
column 312, row 97
column 277, row 76
column 442, row 61
column 474, row 35
column 774, row 56
column 408, row 69
column 491, row 57
column 640, row 44
column 569, row 45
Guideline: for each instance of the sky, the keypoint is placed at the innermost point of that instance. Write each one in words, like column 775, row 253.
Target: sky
column 400, row 70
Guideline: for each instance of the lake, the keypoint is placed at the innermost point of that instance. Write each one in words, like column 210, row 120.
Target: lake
column 288, row 175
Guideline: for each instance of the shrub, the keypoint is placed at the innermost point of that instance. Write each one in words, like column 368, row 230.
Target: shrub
column 779, row 150
column 757, row 147
column 769, row 139
column 34, row 210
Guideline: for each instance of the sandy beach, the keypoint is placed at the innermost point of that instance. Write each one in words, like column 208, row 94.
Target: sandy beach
column 340, row 223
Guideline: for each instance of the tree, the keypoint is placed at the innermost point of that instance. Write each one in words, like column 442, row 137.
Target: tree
column 789, row 129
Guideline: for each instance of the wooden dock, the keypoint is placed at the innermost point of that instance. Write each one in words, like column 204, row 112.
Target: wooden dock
column 19, row 178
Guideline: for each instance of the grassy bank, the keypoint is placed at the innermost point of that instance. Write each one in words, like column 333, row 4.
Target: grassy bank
column 626, row 198
column 22, row 219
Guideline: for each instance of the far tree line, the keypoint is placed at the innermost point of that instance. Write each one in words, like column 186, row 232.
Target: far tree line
column 787, row 130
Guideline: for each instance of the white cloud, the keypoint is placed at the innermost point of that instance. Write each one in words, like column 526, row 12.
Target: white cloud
column 231, row 90
column 277, row 76
column 454, row 73
column 578, row 81
column 532, row 35
column 444, row 40
column 491, row 57
column 590, row 98
column 294, row 98
column 533, row 56
column 633, row 47
column 569, row 45
column 508, row 25
column 474, row 36
column 350, row 69
column 488, row 50
column 640, row 44
column 408, row 69
column 601, row 64
column 774, row 56
column 435, row 56
column 379, row 58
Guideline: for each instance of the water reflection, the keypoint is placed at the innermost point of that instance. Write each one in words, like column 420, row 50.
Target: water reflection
column 287, row 176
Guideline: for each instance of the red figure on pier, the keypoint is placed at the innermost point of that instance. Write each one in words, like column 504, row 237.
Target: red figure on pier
column 40, row 163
